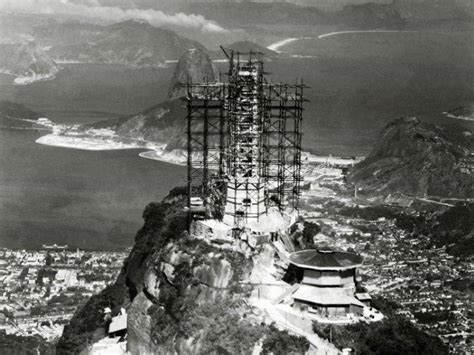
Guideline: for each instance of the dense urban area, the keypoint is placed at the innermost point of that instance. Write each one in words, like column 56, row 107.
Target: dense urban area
column 41, row 289
column 429, row 279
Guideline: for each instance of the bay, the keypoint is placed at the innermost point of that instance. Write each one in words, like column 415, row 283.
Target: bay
column 87, row 199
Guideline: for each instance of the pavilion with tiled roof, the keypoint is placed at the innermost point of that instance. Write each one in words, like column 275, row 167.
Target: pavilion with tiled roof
column 328, row 285
column 325, row 259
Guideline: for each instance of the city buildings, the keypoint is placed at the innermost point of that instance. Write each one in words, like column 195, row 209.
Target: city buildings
column 41, row 289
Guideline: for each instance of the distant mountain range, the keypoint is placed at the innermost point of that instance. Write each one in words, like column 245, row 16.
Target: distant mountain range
column 417, row 159
column 419, row 9
column 435, row 10
column 132, row 42
column 368, row 15
column 138, row 43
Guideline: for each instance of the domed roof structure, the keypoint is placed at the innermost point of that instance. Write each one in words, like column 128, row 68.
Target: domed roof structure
column 325, row 259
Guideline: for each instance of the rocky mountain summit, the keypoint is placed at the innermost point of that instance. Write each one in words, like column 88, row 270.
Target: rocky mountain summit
column 183, row 296
column 417, row 159
column 195, row 66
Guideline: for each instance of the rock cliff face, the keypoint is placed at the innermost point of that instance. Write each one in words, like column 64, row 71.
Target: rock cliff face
column 417, row 159
column 195, row 66
column 173, row 280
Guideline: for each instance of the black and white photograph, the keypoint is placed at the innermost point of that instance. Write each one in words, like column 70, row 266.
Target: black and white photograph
column 220, row 177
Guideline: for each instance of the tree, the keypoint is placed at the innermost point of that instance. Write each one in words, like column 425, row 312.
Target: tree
column 391, row 336
column 309, row 231
column 279, row 342
column 48, row 259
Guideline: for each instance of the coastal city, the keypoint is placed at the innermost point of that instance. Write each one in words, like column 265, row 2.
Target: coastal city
column 236, row 177
column 41, row 289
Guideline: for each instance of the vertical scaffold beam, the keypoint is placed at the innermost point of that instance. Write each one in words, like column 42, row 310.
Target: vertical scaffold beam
column 205, row 125
column 244, row 141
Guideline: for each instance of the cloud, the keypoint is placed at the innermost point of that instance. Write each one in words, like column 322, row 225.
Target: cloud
column 110, row 13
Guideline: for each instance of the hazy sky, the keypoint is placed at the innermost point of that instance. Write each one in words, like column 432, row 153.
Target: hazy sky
column 92, row 9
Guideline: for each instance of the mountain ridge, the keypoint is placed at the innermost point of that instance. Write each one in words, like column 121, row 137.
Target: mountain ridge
column 131, row 42
column 417, row 159
column 26, row 59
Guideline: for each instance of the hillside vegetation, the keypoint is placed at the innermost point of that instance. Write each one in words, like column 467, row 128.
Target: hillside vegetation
column 417, row 159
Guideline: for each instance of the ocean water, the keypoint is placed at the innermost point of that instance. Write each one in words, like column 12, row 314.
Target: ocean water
column 360, row 82
column 357, row 84
column 85, row 199
column 88, row 92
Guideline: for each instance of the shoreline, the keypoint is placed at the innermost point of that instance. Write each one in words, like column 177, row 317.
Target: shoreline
column 157, row 151
column 27, row 80
column 275, row 46
column 85, row 143
column 336, row 33
column 165, row 157
column 279, row 44
column 460, row 117
column 153, row 151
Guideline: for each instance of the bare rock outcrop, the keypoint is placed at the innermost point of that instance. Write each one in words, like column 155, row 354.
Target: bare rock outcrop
column 183, row 295
column 139, row 325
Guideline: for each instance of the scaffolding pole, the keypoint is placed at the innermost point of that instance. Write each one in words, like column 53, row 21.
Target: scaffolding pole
column 244, row 141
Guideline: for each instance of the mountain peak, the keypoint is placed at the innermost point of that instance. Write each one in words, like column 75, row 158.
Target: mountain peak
column 132, row 23
column 194, row 66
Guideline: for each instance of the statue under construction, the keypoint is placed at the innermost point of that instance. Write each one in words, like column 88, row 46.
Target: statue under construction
column 243, row 143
